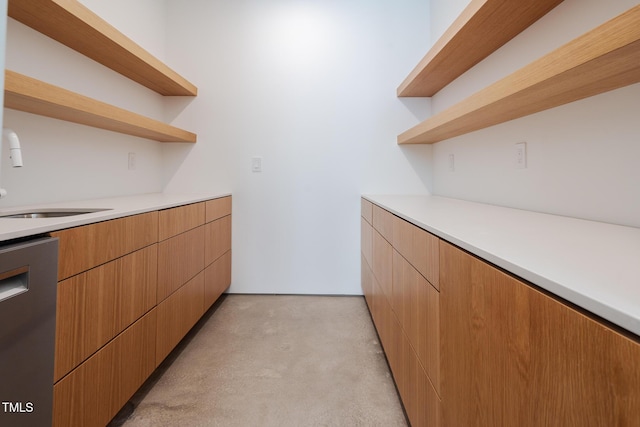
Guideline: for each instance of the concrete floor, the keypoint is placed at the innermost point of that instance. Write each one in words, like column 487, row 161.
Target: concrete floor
column 271, row 360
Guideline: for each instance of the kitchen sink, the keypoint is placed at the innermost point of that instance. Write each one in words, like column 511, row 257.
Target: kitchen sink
column 51, row 213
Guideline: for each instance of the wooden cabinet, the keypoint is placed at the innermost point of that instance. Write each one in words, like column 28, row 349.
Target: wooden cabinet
column 217, row 250
column 404, row 306
column 217, row 278
column 513, row 355
column 469, row 344
column 82, row 248
column 129, row 290
column 94, row 306
column 95, row 391
column 180, row 258
column 194, row 266
column 177, row 314
column 418, row 247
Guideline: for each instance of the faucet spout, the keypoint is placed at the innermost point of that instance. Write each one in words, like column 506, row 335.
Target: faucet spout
column 15, row 153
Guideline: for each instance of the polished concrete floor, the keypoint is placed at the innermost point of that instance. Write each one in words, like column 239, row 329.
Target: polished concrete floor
column 272, row 360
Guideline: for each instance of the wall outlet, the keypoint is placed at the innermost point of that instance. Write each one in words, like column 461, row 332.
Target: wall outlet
column 256, row 164
column 452, row 163
column 131, row 162
column 521, row 155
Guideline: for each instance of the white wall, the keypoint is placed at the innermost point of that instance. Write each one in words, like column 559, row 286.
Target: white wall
column 582, row 157
column 65, row 161
column 309, row 86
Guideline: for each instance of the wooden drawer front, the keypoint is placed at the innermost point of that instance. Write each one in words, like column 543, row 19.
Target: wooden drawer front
column 177, row 314
column 383, row 222
column 217, row 208
column 382, row 263
column 88, row 246
column 417, row 306
column 217, row 239
column 179, row 259
column 366, row 210
column 95, row 391
column 217, row 278
column 366, row 240
column 418, row 247
column 511, row 355
column 95, row 306
column 420, row 400
column 366, row 280
column 175, row 221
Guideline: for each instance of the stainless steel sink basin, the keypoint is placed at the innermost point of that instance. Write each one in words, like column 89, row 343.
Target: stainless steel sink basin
column 51, row 213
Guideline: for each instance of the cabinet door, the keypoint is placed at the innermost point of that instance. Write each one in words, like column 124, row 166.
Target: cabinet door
column 382, row 255
column 383, row 222
column 217, row 278
column 217, row 208
column 88, row 246
column 95, row 306
column 418, row 247
column 93, row 393
column 515, row 356
column 366, row 240
column 177, row 314
column 366, row 210
column 174, row 221
column 217, row 239
column 180, row 258
column 417, row 306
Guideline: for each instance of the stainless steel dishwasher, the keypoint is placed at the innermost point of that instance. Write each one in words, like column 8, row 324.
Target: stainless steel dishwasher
column 28, row 281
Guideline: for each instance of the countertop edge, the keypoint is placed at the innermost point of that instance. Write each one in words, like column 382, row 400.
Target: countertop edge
column 119, row 207
column 596, row 297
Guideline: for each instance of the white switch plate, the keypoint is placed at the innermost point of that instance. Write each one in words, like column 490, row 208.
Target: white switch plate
column 521, row 155
column 132, row 161
column 256, row 164
column 452, row 163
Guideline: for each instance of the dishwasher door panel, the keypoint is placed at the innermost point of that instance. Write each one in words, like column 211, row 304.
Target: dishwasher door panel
column 28, row 282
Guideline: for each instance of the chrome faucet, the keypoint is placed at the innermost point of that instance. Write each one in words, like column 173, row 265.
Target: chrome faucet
column 15, row 154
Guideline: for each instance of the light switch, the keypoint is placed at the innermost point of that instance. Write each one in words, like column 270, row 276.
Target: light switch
column 131, row 161
column 521, row 155
column 256, row 164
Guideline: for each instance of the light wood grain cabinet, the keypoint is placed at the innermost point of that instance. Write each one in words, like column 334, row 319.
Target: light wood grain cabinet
column 418, row 247
column 479, row 347
column 94, row 306
column 95, row 391
column 180, row 258
column 82, row 248
column 217, row 278
column 194, row 267
column 217, row 238
column 217, row 251
column 404, row 306
column 513, row 355
column 129, row 291
column 177, row 314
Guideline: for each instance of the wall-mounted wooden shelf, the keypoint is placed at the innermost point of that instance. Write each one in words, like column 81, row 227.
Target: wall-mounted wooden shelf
column 482, row 28
column 75, row 26
column 603, row 59
column 34, row 96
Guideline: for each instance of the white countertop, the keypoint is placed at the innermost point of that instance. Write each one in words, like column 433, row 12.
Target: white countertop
column 12, row 228
column 591, row 264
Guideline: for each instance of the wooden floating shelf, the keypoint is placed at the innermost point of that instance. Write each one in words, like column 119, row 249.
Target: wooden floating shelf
column 75, row 26
column 482, row 28
column 34, row 96
column 603, row 59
